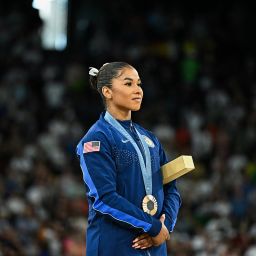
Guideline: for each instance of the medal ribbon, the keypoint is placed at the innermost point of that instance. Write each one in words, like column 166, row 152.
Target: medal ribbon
column 145, row 167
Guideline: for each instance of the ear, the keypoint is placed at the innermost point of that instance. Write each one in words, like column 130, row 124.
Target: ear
column 107, row 92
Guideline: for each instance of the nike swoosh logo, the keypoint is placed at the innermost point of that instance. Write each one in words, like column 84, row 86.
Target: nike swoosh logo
column 125, row 141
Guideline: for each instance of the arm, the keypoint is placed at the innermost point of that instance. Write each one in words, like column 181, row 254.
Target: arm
column 172, row 199
column 172, row 202
column 99, row 174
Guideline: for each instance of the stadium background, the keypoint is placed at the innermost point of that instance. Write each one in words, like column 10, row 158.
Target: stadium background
column 197, row 65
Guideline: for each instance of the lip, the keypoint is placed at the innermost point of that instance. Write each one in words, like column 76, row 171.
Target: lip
column 138, row 99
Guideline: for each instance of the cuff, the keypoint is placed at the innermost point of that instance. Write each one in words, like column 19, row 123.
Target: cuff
column 169, row 223
column 155, row 228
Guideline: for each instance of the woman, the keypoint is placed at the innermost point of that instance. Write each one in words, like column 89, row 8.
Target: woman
column 130, row 211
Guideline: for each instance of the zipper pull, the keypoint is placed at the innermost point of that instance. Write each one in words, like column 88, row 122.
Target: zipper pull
column 131, row 126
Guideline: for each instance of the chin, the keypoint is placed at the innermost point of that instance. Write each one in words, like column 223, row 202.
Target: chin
column 135, row 108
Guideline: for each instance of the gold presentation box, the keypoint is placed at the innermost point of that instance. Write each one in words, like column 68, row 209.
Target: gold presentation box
column 176, row 168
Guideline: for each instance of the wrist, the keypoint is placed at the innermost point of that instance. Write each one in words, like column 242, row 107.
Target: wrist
column 156, row 228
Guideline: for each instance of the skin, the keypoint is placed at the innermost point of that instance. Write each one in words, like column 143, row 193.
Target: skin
column 125, row 96
column 145, row 241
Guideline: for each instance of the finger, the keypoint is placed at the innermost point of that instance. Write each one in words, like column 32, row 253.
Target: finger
column 146, row 247
column 143, row 243
column 140, row 237
column 138, row 246
column 142, row 246
column 162, row 218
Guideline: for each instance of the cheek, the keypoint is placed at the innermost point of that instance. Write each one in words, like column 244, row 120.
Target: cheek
column 121, row 97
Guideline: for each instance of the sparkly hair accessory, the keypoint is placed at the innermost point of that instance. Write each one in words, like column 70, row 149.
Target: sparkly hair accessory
column 93, row 71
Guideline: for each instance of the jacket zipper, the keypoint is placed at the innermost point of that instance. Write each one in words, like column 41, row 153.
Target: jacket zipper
column 138, row 139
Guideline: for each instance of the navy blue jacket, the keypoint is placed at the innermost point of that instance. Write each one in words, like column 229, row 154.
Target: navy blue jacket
column 115, row 190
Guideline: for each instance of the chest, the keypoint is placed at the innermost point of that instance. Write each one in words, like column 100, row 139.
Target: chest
column 127, row 159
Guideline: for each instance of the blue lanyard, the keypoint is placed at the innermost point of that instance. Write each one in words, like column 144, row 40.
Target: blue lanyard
column 145, row 167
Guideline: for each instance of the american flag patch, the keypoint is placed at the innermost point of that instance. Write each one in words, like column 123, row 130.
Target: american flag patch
column 91, row 146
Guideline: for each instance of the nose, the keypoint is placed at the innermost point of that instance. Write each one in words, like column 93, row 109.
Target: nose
column 138, row 90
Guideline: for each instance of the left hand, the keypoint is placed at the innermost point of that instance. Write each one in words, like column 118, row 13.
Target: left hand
column 143, row 241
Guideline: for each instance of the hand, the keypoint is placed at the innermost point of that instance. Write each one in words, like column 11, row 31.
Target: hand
column 163, row 234
column 143, row 241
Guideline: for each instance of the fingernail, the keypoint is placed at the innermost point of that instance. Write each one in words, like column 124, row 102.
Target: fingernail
column 135, row 240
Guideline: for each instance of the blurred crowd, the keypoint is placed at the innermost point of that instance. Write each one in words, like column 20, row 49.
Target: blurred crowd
column 198, row 75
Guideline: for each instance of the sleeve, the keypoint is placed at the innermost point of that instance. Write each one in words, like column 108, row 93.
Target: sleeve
column 99, row 174
column 172, row 199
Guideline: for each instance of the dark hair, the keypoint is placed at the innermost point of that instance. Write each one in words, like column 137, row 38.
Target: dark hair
column 105, row 75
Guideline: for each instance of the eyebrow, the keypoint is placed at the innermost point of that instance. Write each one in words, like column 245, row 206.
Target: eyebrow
column 130, row 79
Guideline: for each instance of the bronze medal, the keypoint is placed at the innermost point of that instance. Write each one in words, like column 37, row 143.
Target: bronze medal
column 149, row 204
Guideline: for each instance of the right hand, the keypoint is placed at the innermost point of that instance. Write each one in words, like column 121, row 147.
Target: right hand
column 163, row 234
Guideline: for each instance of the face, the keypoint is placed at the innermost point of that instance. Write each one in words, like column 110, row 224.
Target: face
column 126, row 93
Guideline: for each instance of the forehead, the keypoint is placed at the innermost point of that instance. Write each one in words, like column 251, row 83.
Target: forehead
column 128, row 72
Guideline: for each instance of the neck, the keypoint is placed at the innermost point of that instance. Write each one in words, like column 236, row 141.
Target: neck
column 121, row 115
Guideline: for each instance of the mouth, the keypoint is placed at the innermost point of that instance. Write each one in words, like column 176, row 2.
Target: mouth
column 137, row 99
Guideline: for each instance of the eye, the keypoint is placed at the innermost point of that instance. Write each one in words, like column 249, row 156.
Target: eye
column 139, row 84
column 128, row 84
